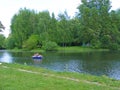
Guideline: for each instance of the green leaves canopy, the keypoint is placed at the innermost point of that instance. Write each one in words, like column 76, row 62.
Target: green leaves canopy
column 94, row 25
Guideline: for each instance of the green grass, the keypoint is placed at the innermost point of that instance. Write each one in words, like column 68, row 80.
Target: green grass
column 24, row 50
column 71, row 49
column 22, row 77
column 78, row 49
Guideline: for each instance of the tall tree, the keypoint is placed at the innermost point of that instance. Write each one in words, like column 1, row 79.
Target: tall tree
column 64, row 29
column 1, row 27
column 96, row 22
column 22, row 26
column 43, row 27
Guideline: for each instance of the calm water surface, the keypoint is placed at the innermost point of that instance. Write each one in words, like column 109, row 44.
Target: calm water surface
column 95, row 63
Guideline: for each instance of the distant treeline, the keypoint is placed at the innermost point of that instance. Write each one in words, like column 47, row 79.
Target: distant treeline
column 94, row 25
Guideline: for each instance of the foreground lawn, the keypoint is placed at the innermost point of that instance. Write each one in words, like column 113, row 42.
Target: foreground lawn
column 22, row 77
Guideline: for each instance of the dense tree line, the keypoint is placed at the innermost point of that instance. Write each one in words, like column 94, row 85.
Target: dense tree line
column 94, row 25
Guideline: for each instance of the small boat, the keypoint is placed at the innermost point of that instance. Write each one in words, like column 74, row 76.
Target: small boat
column 37, row 56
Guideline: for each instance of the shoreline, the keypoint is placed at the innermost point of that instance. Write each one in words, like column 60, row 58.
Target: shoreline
column 62, row 49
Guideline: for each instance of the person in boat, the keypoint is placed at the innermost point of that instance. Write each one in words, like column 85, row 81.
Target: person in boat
column 37, row 55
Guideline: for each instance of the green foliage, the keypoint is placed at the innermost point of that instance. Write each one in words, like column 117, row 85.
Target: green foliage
column 113, row 46
column 95, row 43
column 22, row 26
column 94, row 25
column 2, row 40
column 31, row 43
column 106, row 40
column 98, row 25
column 50, row 46
column 10, row 42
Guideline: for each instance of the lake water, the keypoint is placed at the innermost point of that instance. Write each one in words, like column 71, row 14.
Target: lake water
column 95, row 63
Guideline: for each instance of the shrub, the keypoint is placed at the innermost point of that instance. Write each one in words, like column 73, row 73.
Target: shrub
column 95, row 43
column 113, row 46
column 50, row 46
column 31, row 43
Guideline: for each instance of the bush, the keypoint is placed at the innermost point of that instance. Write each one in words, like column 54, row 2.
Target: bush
column 95, row 43
column 31, row 43
column 10, row 42
column 50, row 46
column 113, row 46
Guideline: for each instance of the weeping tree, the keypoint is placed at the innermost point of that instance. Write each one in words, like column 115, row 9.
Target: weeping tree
column 1, row 27
column 2, row 38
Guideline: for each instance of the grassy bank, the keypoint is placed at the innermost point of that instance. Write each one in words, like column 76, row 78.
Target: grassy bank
column 22, row 77
column 79, row 49
column 64, row 49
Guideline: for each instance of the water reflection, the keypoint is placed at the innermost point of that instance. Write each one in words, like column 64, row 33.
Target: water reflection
column 95, row 63
column 6, row 57
column 37, row 62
